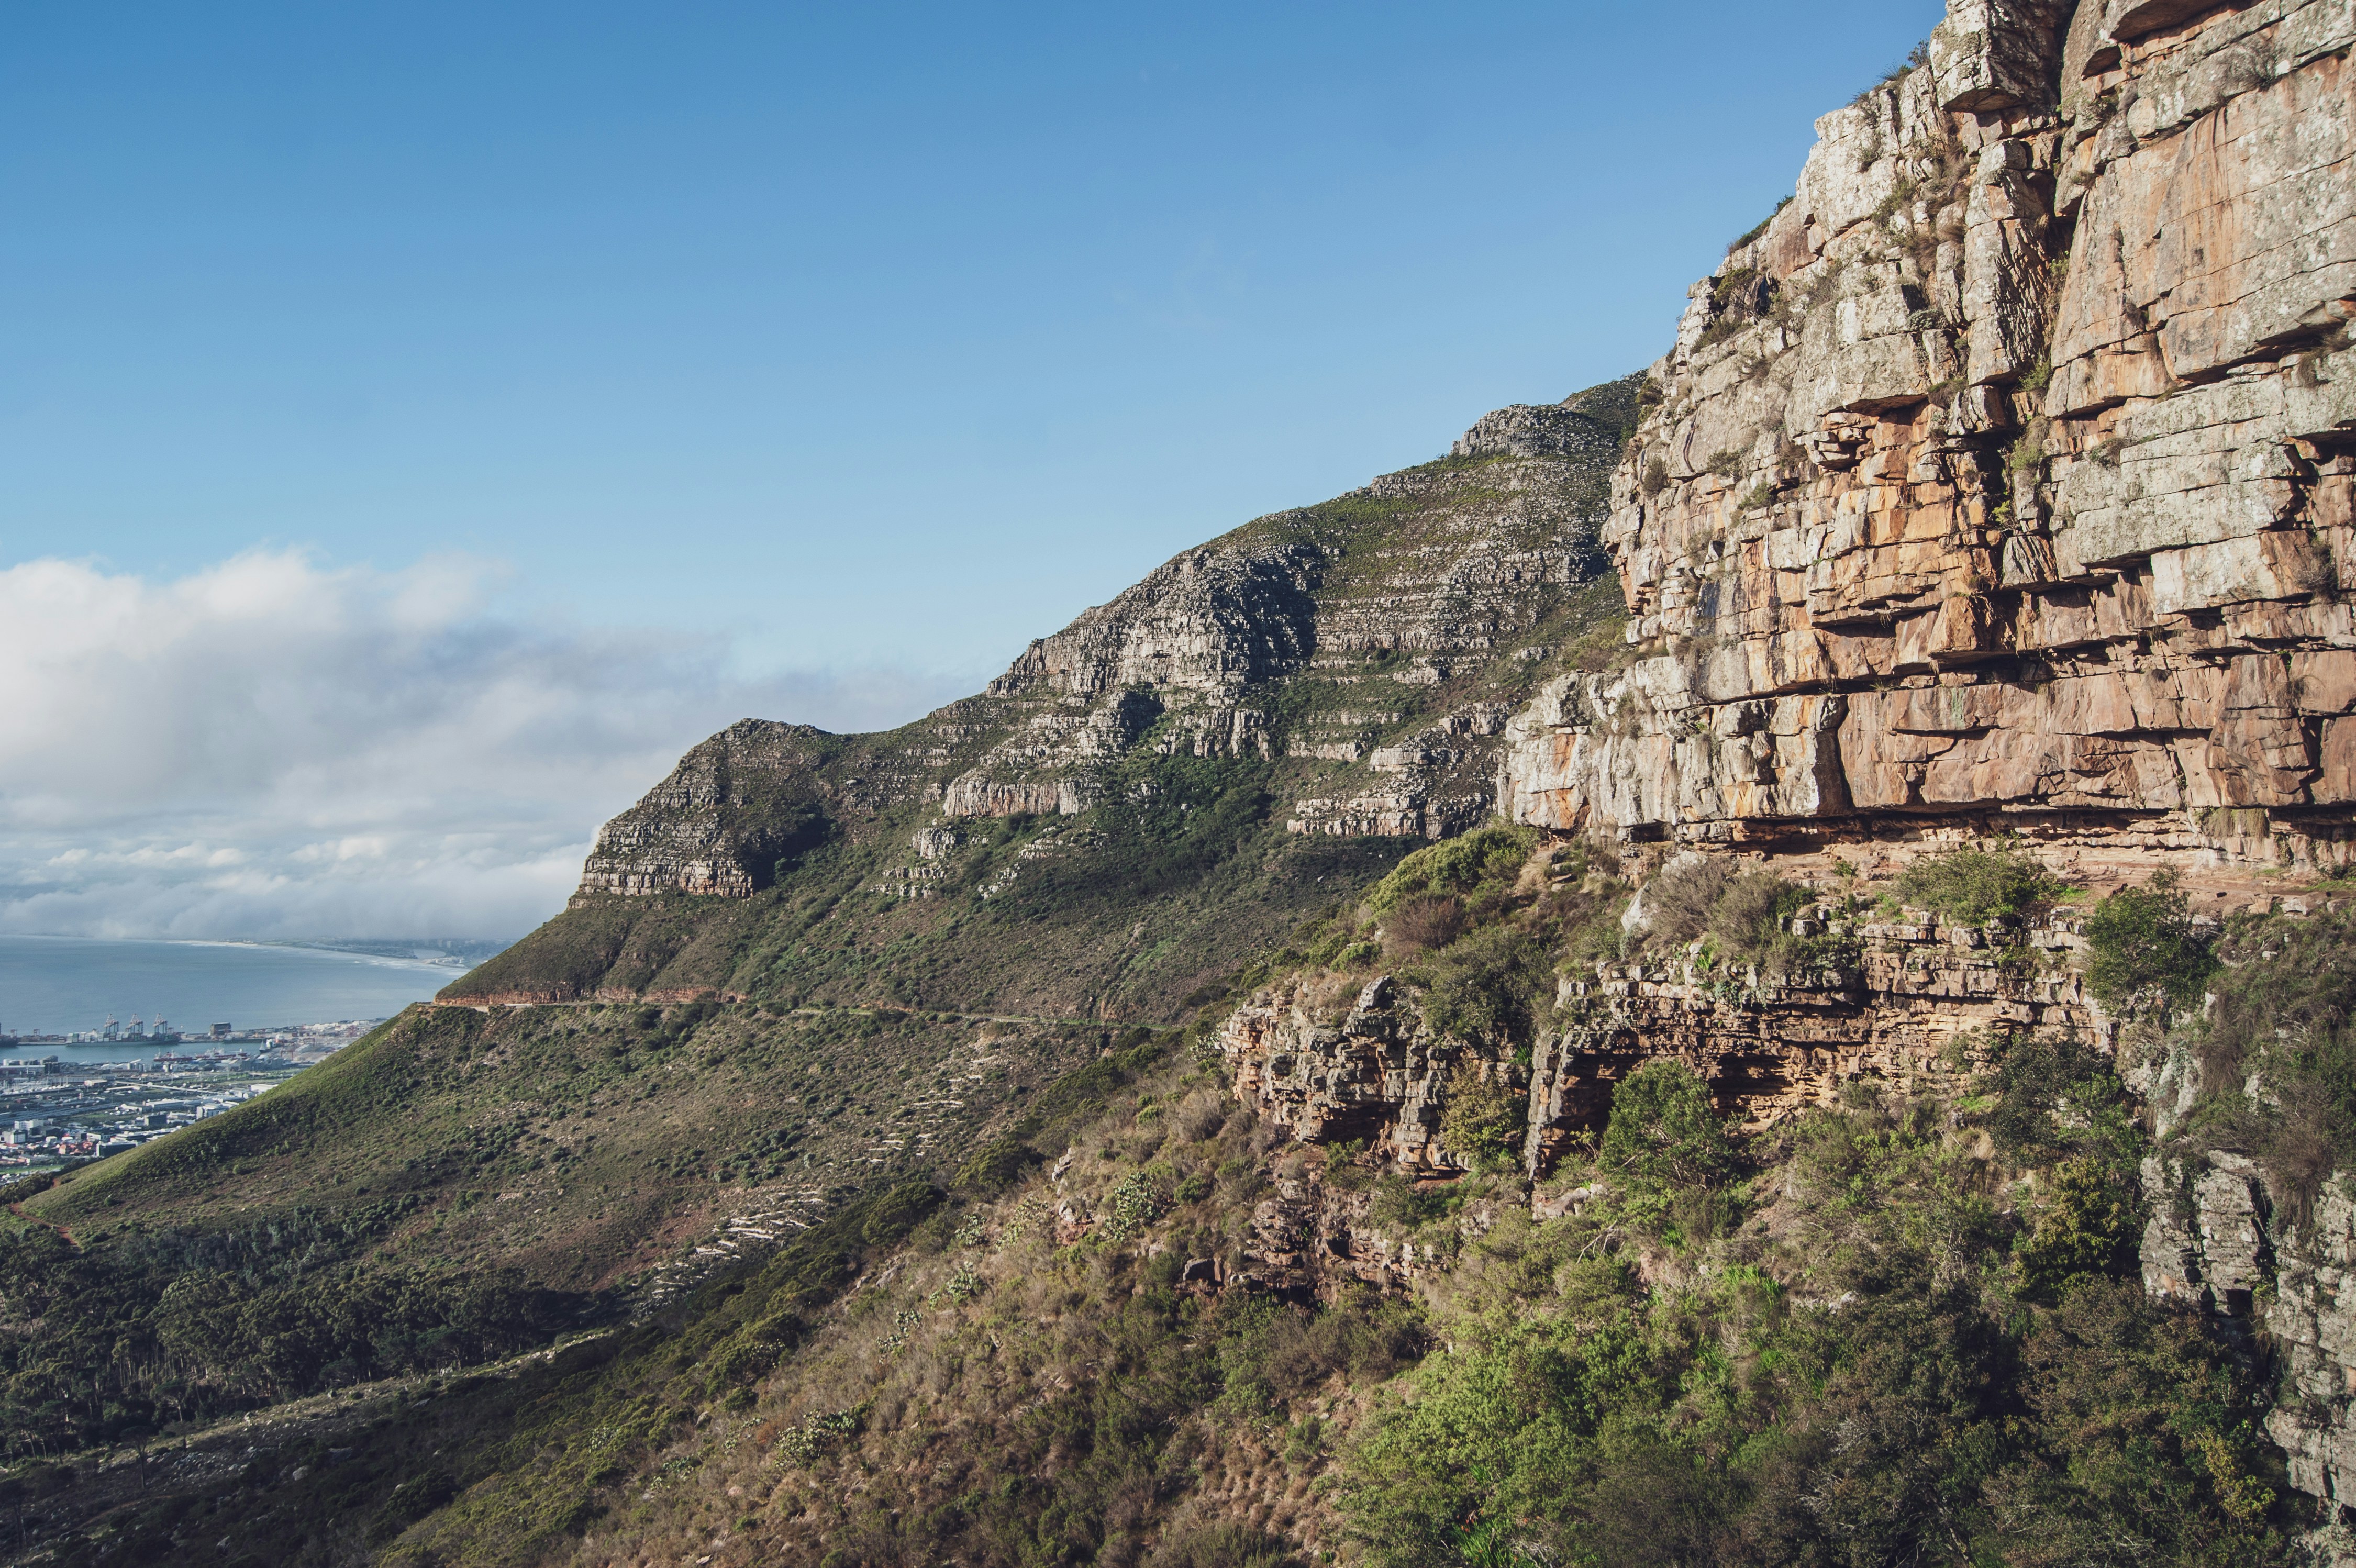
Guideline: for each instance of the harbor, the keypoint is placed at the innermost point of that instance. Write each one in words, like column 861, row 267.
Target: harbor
column 56, row 1109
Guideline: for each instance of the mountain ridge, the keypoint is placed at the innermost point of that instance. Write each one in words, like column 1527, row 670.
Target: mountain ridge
column 1358, row 658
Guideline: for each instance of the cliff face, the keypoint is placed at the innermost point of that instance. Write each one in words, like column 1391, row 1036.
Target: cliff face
column 735, row 806
column 2006, row 474
column 1904, row 1001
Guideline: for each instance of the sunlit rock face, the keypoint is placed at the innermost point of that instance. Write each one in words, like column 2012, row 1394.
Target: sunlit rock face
column 2006, row 474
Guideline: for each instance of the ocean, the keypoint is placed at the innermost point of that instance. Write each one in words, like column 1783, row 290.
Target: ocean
column 54, row 985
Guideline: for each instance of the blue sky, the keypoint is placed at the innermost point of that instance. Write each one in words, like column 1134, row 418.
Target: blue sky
column 826, row 355
column 867, row 334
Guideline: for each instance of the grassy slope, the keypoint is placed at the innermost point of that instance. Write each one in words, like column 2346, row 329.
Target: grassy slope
column 511, row 1468
column 1911, row 1329
column 1898, row 1331
column 580, row 1144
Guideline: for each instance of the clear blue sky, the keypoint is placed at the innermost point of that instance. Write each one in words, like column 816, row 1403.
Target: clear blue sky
column 852, row 336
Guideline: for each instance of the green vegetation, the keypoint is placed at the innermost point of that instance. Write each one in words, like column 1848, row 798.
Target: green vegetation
column 1887, row 1344
column 1970, row 886
column 1663, row 1134
column 1478, row 865
column 162, row 1330
column 1913, row 1374
column 1493, row 985
column 1738, row 917
column 1900, row 1330
column 2277, row 1053
column 1616, row 405
column 2140, row 943
column 1482, row 1121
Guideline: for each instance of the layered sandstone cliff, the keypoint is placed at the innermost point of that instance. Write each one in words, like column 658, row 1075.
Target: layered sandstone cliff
column 1903, row 1001
column 1323, row 635
column 2006, row 474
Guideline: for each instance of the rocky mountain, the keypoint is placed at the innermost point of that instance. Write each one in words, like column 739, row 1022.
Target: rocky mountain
column 1349, row 666
column 1754, row 967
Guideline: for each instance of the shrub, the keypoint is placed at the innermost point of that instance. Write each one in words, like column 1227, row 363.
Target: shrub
column 896, row 1213
column 1679, row 900
column 1489, row 858
column 2056, row 1098
column 1656, row 477
column 2286, row 1014
column 1483, row 1120
column 1490, row 985
column 2140, row 941
column 1423, row 924
column 1663, row 1133
column 1199, row 1115
column 1397, row 1201
column 996, row 1166
column 1135, row 1202
column 1750, row 912
column 1971, row 887
column 2090, row 1226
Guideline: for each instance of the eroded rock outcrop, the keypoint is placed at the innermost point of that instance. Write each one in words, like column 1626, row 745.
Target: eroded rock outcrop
column 2216, row 1241
column 1906, row 1002
column 1317, row 635
column 1375, row 1074
column 2006, row 471
column 751, row 796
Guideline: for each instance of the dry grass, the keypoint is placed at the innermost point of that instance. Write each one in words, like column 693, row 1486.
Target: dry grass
column 1422, row 925
column 957, row 1356
column 1679, row 899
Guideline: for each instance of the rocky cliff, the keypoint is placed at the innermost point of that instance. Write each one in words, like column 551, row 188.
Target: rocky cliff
column 2004, row 475
column 1897, row 997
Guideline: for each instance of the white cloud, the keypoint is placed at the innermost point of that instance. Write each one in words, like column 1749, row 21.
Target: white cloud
column 267, row 748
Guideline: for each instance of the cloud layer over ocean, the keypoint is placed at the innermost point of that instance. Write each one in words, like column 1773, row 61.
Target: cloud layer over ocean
column 268, row 747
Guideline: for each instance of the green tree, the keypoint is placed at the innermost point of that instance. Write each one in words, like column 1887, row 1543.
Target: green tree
column 2141, row 939
column 2090, row 1226
column 1483, row 1119
column 1663, row 1133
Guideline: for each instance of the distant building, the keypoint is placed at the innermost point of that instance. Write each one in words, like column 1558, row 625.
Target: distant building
column 221, row 1031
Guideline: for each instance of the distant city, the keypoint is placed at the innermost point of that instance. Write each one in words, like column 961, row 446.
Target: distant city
column 53, row 1112
column 162, row 1033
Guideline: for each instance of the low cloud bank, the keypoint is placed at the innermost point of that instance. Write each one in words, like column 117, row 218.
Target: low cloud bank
column 271, row 748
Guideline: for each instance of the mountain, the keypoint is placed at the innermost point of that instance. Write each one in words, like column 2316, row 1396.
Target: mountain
column 1161, row 789
column 1749, row 968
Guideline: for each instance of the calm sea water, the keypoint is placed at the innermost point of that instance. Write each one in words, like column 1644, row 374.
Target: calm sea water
column 55, row 985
